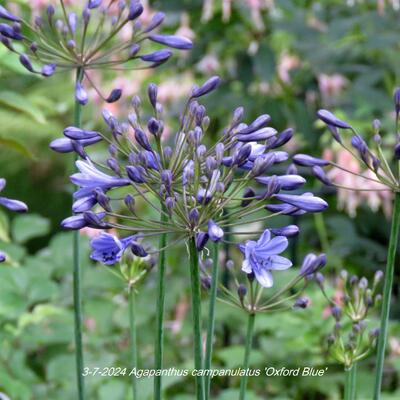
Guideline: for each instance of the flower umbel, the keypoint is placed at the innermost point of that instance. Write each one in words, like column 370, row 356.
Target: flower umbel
column 101, row 36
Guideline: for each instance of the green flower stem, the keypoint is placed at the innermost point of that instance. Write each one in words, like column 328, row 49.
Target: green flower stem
column 387, row 294
column 350, row 388
column 159, row 345
column 77, row 290
column 196, row 311
column 211, row 318
column 249, row 341
column 133, row 338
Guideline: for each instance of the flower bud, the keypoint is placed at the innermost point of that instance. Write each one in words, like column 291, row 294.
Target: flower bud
column 302, row 302
column 210, row 85
column 241, row 291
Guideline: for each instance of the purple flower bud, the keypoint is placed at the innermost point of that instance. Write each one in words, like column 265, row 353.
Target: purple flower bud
column 170, row 204
column 312, row 263
column 94, row 220
column 166, row 179
column 261, row 134
column 288, row 231
column 50, row 11
column 2, row 257
column 376, row 125
column 241, row 291
column 301, row 302
column 133, row 50
column 282, row 139
column 280, row 156
column 242, row 155
column 320, row 174
column 26, row 62
column 291, row 170
column 262, row 163
column 257, row 124
column 6, row 42
column 138, row 250
column 80, row 94
column 13, row 205
column 210, row 85
column 201, row 240
column 129, row 201
column 114, row 96
column 307, row 201
column 396, row 99
column 142, row 139
column 72, row 21
column 74, row 223
column 86, row 16
column 5, row 14
column 176, row 42
column 214, row 231
column 136, row 174
column 78, row 133
column 286, row 182
column 156, row 20
column 9, row 32
column 327, row 117
column 336, row 313
column 71, row 44
column 113, row 164
column 152, row 93
column 48, row 69
column 135, row 9
column 94, row 4
column 103, row 199
column 84, row 204
column 64, row 145
column 194, row 216
column 309, row 161
column 248, row 194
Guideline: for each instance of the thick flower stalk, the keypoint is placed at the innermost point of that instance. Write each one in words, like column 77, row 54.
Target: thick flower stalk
column 351, row 308
column 12, row 205
column 204, row 187
column 382, row 165
column 103, row 35
column 254, row 295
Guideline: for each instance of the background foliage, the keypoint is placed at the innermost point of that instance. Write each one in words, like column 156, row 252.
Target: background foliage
column 287, row 59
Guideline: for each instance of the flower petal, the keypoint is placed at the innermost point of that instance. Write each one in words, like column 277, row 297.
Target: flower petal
column 280, row 263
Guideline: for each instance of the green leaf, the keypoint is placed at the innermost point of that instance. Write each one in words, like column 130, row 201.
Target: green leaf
column 17, row 146
column 20, row 103
column 26, row 227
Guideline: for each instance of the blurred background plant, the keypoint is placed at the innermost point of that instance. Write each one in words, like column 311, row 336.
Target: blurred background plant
column 286, row 58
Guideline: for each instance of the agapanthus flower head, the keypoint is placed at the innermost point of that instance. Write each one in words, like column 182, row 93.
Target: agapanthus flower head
column 200, row 187
column 380, row 177
column 350, row 310
column 101, row 35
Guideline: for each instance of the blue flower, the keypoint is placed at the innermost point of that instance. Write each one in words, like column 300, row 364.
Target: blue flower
column 262, row 257
column 108, row 249
column 88, row 179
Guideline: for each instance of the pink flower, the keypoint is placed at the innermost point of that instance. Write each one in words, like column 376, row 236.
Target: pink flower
column 331, row 86
column 286, row 64
column 350, row 200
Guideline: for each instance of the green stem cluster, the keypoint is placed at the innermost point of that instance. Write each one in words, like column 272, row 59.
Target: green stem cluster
column 350, row 388
column 387, row 294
